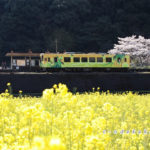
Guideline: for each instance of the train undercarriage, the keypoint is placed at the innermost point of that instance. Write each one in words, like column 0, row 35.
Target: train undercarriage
column 38, row 69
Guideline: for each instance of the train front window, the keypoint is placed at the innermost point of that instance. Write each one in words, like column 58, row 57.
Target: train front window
column 100, row 59
column 76, row 59
column 125, row 60
column 42, row 58
column 67, row 59
column 84, row 59
column 49, row 60
column 108, row 59
column 92, row 59
column 45, row 59
column 119, row 60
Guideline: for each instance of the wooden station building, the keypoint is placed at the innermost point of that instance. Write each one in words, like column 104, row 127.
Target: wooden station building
column 23, row 60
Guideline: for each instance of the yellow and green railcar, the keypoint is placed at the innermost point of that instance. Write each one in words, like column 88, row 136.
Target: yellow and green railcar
column 82, row 61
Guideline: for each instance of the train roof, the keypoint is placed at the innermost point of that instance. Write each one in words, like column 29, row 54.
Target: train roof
column 80, row 55
column 74, row 53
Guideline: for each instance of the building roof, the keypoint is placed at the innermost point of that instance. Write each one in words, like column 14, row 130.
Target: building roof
column 16, row 54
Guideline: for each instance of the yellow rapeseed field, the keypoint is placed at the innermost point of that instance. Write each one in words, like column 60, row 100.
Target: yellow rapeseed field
column 60, row 120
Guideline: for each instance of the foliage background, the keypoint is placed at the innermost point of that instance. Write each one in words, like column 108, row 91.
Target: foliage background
column 78, row 25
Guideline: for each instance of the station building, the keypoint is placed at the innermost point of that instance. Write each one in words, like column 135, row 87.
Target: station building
column 24, row 60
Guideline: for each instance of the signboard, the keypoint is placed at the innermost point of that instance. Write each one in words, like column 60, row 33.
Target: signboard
column 20, row 62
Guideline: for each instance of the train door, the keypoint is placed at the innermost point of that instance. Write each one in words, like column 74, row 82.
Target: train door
column 119, row 62
column 55, row 59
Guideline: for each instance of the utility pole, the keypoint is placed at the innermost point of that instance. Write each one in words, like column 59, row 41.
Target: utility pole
column 56, row 42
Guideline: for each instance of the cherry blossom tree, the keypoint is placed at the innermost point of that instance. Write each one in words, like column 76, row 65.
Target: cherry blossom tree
column 137, row 47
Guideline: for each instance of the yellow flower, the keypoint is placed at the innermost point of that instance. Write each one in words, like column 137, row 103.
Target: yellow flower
column 107, row 107
column 38, row 143
column 6, row 91
column 48, row 93
column 133, row 148
column 98, row 88
column 60, row 120
column 93, row 89
column 8, row 84
column 141, row 147
column 20, row 91
column 55, row 86
column 56, row 144
column 89, row 129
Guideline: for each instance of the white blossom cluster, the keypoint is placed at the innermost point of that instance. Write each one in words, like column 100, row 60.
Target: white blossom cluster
column 137, row 47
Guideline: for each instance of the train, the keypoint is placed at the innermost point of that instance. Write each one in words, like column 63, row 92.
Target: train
column 84, row 62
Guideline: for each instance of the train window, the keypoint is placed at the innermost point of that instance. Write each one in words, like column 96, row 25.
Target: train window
column 49, row 60
column 55, row 59
column 92, row 59
column 42, row 58
column 76, row 59
column 100, row 59
column 84, row 59
column 67, row 59
column 45, row 59
column 108, row 59
column 125, row 60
